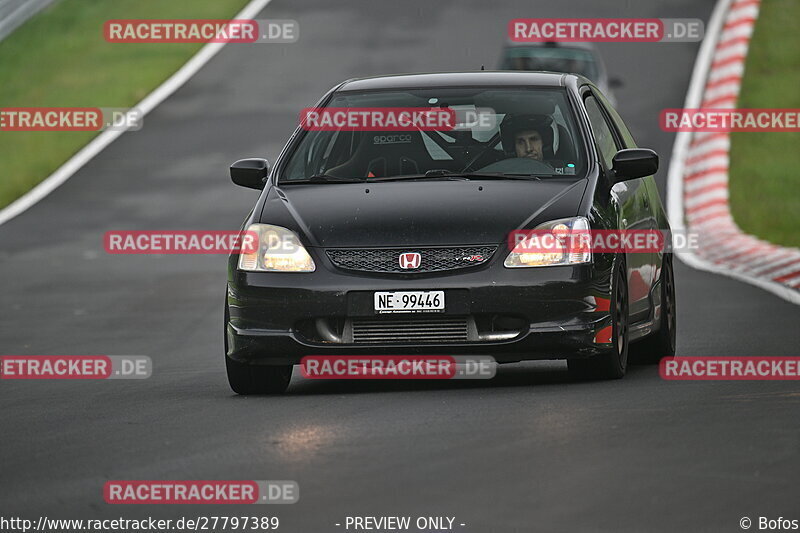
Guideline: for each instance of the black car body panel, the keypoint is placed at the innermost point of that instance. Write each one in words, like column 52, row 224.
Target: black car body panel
column 451, row 212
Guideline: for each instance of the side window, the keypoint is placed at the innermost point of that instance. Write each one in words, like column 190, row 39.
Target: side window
column 602, row 133
column 623, row 130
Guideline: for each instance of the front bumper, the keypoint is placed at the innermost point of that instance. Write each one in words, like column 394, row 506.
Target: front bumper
column 563, row 311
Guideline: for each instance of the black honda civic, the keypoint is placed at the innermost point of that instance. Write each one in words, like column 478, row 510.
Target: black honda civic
column 384, row 228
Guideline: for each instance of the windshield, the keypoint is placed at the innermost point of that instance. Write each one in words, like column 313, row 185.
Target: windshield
column 496, row 132
column 554, row 59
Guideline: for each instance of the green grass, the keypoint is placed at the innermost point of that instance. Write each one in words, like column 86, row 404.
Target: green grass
column 765, row 167
column 59, row 58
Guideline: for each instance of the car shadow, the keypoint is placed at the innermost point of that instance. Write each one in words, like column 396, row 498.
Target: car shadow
column 526, row 374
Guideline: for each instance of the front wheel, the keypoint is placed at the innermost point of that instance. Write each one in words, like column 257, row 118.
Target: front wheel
column 613, row 363
column 254, row 379
column 257, row 379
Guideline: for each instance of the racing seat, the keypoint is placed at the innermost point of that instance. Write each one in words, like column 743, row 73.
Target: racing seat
column 566, row 148
column 382, row 154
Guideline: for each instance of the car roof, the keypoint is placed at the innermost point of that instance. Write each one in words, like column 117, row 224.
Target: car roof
column 479, row 78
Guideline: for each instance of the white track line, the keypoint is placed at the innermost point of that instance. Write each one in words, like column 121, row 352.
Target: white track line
column 161, row 93
column 686, row 146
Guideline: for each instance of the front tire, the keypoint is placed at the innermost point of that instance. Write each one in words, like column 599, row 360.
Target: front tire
column 613, row 363
column 257, row 379
column 661, row 343
column 249, row 379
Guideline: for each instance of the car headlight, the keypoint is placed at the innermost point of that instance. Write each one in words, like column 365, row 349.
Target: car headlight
column 558, row 242
column 278, row 250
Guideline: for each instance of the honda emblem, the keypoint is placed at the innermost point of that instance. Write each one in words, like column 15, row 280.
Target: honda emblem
column 410, row 260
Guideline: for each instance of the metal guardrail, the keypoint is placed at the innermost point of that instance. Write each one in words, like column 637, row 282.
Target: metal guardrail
column 14, row 12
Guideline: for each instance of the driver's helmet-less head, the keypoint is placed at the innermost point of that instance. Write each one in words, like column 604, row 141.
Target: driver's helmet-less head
column 515, row 124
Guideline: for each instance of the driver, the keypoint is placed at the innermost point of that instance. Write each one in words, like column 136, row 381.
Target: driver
column 528, row 143
column 527, row 135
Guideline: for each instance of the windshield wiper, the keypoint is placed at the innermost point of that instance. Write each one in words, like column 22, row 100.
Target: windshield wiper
column 325, row 178
column 446, row 174
column 489, row 175
column 431, row 174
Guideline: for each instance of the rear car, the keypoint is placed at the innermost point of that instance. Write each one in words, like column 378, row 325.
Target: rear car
column 579, row 58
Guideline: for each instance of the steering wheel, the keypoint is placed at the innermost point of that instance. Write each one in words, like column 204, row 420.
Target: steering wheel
column 520, row 165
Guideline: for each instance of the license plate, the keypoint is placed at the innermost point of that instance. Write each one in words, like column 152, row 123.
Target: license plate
column 409, row 302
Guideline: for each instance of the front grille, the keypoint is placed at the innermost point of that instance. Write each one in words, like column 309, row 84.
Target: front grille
column 454, row 329
column 432, row 259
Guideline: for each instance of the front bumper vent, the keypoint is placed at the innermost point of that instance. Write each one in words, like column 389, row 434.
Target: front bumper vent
column 411, row 329
column 429, row 330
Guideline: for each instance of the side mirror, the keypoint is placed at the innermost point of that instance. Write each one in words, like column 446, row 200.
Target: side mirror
column 251, row 173
column 634, row 163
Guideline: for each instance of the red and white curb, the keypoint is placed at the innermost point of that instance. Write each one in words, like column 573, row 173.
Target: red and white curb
column 698, row 172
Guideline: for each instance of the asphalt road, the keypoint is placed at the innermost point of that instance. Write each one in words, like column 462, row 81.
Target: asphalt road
column 527, row 451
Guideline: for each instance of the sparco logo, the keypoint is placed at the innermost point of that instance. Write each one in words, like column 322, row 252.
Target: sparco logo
column 391, row 139
column 410, row 260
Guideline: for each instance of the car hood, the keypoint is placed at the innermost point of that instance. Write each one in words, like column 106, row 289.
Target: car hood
column 419, row 213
